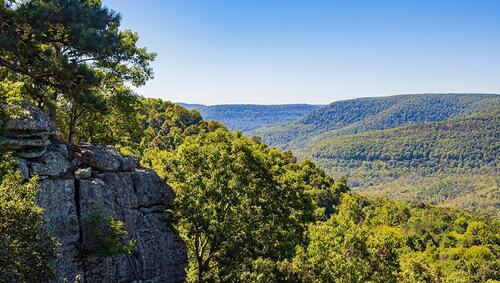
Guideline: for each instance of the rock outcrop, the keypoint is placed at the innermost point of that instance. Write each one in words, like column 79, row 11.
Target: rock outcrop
column 78, row 181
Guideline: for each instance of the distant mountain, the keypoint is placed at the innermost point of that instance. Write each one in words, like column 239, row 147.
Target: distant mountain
column 453, row 163
column 437, row 148
column 463, row 145
column 368, row 114
column 247, row 117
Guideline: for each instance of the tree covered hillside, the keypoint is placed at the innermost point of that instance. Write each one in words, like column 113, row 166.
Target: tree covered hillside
column 477, row 192
column 367, row 114
column 451, row 163
column 247, row 117
column 461, row 145
column 436, row 148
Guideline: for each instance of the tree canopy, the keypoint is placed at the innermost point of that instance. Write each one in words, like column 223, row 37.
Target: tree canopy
column 236, row 201
column 70, row 54
column 346, row 238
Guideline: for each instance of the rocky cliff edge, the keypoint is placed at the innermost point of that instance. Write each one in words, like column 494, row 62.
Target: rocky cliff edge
column 77, row 181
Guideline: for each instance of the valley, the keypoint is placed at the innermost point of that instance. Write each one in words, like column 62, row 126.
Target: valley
column 436, row 148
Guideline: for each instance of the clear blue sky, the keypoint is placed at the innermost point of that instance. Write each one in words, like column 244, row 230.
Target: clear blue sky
column 315, row 51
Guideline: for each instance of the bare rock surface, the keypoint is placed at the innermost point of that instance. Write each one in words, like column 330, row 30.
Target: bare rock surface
column 51, row 163
column 122, row 195
column 29, row 134
column 78, row 181
column 57, row 197
column 83, row 173
column 32, row 123
column 100, row 157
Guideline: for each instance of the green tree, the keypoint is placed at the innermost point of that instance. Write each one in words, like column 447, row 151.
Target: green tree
column 236, row 201
column 337, row 250
column 10, row 96
column 104, row 236
column 71, row 54
column 26, row 250
column 167, row 124
column 376, row 240
column 120, row 124
column 384, row 245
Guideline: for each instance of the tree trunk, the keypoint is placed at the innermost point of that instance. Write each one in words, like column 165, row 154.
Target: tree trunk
column 53, row 110
column 199, row 258
column 200, row 273
column 72, row 124
column 71, row 132
column 203, row 266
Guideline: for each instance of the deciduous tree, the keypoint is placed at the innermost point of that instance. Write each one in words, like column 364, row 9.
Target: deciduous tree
column 236, row 201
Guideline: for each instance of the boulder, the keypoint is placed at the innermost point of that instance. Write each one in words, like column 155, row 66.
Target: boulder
column 100, row 158
column 51, row 163
column 29, row 134
column 128, row 163
column 62, row 148
column 31, row 153
column 33, row 122
column 105, row 158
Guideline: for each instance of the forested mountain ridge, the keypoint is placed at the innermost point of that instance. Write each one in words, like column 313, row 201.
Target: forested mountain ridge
column 248, row 117
column 441, row 149
column 458, row 145
column 367, row 114
column 450, row 163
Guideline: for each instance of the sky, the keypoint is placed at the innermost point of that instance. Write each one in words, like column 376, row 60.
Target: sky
column 314, row 51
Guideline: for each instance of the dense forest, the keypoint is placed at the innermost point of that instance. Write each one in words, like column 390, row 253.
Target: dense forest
column 463, row 145
column 441, row 149
column 247, row 117
column 368, row 114
column 476, row 192
column 321, row 220
column 246, row 211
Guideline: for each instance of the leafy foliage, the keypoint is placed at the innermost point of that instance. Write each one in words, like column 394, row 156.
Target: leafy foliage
column 26, row 250
column 10, row 98
column 167, row 124
column 71, row 55
column 382, row 241
column 105, row 236
column 120, row 125
column 236, row 201
column 349, row 239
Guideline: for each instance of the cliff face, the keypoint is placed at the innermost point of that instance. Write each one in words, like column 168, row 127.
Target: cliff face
column 78, row 181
